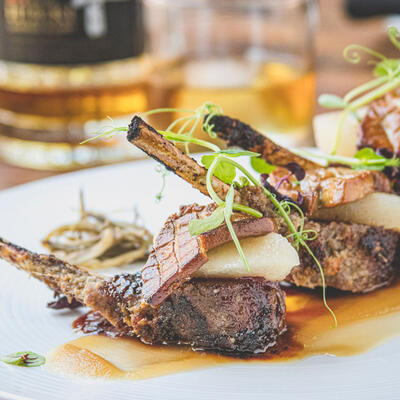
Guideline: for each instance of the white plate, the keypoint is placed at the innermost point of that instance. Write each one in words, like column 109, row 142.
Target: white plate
column 30, row 211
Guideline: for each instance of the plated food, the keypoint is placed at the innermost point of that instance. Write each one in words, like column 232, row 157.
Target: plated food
column 246, row 274
column 178, row 298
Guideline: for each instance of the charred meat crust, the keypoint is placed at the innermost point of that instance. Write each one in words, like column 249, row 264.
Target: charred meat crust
column 237, row 133
column 176, row 255
column 240, row 315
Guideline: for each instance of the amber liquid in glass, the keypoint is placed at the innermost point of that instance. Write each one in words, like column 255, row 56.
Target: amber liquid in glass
column 274, row 98
column 41, row 126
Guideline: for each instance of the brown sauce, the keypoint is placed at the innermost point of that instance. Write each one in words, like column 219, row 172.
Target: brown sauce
column 365, row 321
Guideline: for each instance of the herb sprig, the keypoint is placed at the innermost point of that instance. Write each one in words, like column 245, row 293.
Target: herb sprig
column 24, row 359
column 221, row 164
column 387, row 78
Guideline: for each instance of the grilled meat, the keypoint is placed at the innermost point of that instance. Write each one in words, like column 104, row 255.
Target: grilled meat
column 321, row 187
column 241, row 315
column 354, row 256
column 176, row 255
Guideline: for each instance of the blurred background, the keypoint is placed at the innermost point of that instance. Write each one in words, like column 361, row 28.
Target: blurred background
column 70, row 69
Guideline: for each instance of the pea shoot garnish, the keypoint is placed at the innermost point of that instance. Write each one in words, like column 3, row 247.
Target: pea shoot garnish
column 24, row 359
column 365, row 158
column 386, row 78
column 222, row 164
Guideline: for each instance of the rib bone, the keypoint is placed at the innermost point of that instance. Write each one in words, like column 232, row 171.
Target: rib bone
column 162, row 150
column 56, row 274
column 237, row 133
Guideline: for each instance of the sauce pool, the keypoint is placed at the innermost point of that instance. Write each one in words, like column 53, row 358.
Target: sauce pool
column 364, row 322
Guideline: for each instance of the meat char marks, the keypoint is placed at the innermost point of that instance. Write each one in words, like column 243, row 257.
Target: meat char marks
column 354, row 257
column 229, row 315
column 176, row 255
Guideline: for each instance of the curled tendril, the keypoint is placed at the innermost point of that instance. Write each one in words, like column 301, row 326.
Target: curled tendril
column 352, row 53
column 211, row 110
column 309, row 234
column 394, row 36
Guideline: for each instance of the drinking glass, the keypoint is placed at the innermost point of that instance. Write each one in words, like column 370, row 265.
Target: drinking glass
column 254, row 58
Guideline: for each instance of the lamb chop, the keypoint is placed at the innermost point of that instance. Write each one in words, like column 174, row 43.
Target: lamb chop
column 321, row 186
column 229, row 315
column 354, row 257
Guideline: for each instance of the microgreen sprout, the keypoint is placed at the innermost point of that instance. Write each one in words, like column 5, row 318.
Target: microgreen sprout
column 365, row 158
column 189, row 123
column 24, row 359
column 387, row 78
column 164, row 172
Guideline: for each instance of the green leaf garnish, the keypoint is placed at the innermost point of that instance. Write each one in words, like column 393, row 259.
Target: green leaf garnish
column 224, row 170
column 261, row 166
column 370, row 160
column 199, row 226
column 24, row 359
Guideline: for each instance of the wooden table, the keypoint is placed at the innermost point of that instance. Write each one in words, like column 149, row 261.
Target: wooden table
column 334, row 75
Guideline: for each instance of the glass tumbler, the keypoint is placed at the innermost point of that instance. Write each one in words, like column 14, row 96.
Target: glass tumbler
column 254, row 58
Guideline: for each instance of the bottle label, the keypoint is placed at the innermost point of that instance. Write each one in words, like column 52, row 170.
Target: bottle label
column 70, row 31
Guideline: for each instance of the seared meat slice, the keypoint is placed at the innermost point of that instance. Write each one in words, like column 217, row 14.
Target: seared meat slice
column 241, row 315
column 359, row 265
column 176, row 255
column 380, row 127
column 328, row 187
